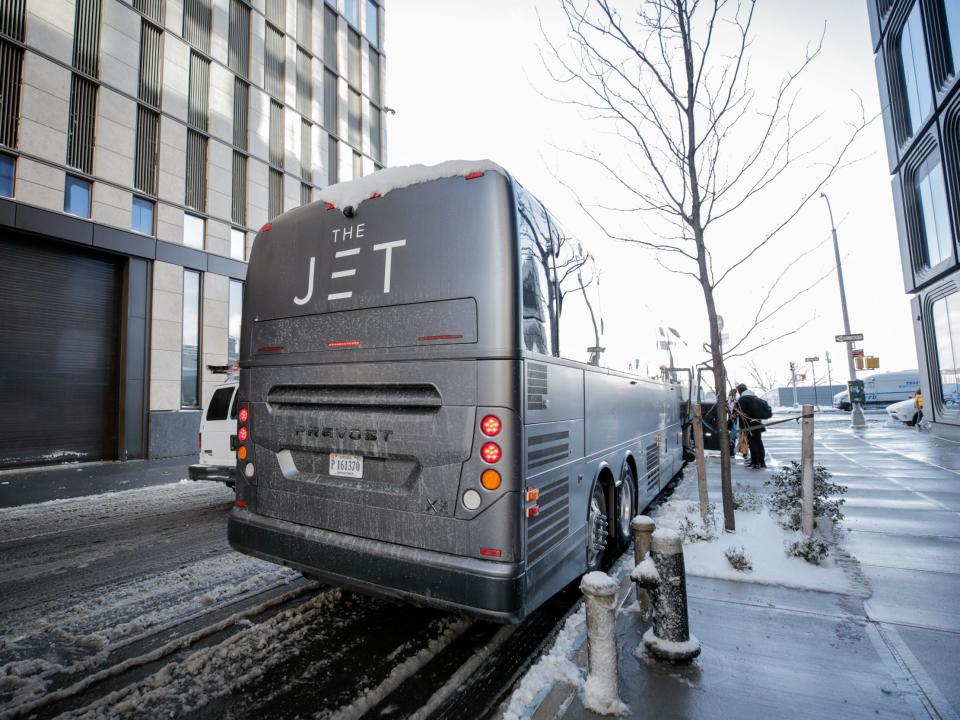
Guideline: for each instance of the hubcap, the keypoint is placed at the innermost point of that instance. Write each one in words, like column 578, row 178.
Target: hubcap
column 598, row 530
column 626, row 508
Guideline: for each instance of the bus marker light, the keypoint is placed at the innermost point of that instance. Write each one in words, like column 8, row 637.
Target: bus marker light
column 490, row 479
column 426, row 338
column 240, row 503
column 244, row 414
column 267, row 228
column 533, row 511
column 248, row 470
column 343, row 343
column 242, row 434
column 490, row 452
column 533, row 494
column 270, row 348
column 374, row 196
column 474, row 175
column 242, row 452
column 331, row 206
column 490, row 425
column 471, row 499
column 490, row 552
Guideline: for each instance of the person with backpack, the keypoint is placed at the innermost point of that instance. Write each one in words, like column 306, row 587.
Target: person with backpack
column 752, row 410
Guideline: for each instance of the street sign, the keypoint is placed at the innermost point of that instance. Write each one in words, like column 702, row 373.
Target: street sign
column 815, row 358
column 855, row 391
column 852, row 337
column 858, row 353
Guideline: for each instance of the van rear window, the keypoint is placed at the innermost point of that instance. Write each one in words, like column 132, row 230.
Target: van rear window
column 220, row 404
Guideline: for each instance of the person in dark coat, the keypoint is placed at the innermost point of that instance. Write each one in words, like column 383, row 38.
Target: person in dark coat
column 748, row 406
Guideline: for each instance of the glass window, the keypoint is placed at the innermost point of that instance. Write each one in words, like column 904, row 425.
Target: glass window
column 932, row 205
column 354, row 120
column 142, row 215
column 914, row 70
column 238, row 244
column 190, row 348
column 374, row 71
column 333, row 161
column 330, row 38
column 353, row 58
column 375, row 133
column 235, row 310
column 330, row 101
column 76, row 196
column 951, row 21
column 946, row 329
column 7, row 167
column 220, row 403
column 357, row 166
column 535, row 262
column 372, row 25
column 350, row 8
column 193, row 231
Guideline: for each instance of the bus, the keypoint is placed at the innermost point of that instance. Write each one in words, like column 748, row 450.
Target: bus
column 424, row 411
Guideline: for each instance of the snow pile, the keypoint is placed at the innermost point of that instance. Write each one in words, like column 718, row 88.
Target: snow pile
column 383, row 181
column 598, row 583
column 645, row 572
column 668, row 648
column 763, row 541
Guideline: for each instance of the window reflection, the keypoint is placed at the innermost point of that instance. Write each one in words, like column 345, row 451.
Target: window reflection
column 946, row 327
column 932, row 204
column 190, row 347
column 913, row 70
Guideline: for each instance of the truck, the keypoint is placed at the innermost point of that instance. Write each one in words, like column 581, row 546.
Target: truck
column 882, row 389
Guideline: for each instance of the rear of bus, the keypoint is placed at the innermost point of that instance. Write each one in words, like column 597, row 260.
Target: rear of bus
column 379, row 391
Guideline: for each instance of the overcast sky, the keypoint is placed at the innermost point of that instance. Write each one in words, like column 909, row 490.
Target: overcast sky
column 467, row 81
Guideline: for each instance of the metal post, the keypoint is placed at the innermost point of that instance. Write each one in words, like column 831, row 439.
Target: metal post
column 793, row 379
column 806, row 455
column 642, row 527
column 856, row 415
column 701, row 460
column 816, row 398
column 829, row 377
column 603, row 671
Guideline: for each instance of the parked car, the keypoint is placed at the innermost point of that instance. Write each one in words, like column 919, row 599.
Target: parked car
column 881, row 389
column 904, row 411
column 218, row 437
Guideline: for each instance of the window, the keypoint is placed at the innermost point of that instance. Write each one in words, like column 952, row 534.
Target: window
column 306, row 151
column 241, row 105
column 238, row 58
column 145, row 160
column 951, row 23
column 273, row 62
column 235, row 311
column 220, row 403
column 83, row 111
column 86, row 38
column 190, row 347
column 196, row 24
column 193, row 231
column 946, row 330
column 153, row 9
column 196, row 175
column 329, row 38
column 11, row 60
column 353, row 58
column 350, row 8
column 914, row 75
column 357, row 165
column 329, row 101
column 11, row 19
column 536, row 289
column 238, row 182
column 276, row 134
column 305, row 22
column 238, row 244
column 76, row 196
column 275, row 194
column 375, row 132
column 354, row 121
column 199, row 100
column 306, row 194
column 7, row 171
column 372, row 22
column 304, row 82
column 374, row 70
column 142, row 215
column 148, row 87
column 276, row 12
column 333, row 161
column 933, row 216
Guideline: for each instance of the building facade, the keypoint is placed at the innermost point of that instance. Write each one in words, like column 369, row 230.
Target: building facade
column 142, row 144
column 917, row 47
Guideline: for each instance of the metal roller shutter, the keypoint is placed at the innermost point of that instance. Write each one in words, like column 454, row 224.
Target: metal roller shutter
column 59, row 353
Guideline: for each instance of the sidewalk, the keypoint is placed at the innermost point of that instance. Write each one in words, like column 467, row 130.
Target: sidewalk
column 40, row 484
column 885, row 644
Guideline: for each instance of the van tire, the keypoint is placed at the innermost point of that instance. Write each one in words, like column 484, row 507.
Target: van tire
column 626, row 507
column 598, row 520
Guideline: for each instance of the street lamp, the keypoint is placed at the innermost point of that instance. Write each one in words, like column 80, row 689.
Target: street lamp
column 856, row 415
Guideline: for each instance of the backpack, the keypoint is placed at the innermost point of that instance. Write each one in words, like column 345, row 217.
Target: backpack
column 764, row 411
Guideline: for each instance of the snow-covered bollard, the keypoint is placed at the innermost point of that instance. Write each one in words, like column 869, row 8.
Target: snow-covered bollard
column 663, row 575
column 601, row 693
column 642, row 527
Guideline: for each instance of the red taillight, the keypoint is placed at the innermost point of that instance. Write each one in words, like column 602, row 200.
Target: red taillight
column 330, row 206
column 200, row 441
column 474, row 175
column 343, row 343
column 490, row 452
column 533, row 511
column 490, row 552
column 270, row 348
column 374, row 196
column 267, row 228
column 244, row 415
column 240, row 503
column 490, row 425
column 243, row 434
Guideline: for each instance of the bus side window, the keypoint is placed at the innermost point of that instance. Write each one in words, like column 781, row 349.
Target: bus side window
column 536, row 291
column 577, row 280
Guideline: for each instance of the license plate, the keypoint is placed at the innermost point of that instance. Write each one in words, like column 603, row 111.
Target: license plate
column 346, row 465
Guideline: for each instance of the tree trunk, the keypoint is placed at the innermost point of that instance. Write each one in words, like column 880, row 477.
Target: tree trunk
column 720, row 386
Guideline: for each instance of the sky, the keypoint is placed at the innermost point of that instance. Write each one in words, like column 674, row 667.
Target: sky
column 467, row 81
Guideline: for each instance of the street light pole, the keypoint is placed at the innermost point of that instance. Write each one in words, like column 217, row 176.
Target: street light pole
column 829, row 377
column 856, row 415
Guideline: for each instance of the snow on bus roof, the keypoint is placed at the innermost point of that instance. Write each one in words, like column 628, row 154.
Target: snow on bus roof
column 383, row 181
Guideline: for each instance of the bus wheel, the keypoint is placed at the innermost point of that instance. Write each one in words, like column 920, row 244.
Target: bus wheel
column 597, row 524
column 626, row 499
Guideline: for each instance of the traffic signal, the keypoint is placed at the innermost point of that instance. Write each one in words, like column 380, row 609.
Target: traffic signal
column 801, row 376
column 793, row 366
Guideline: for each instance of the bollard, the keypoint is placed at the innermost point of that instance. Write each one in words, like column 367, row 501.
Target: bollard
column 642, row 527
column 602, row 689
column 663, row 575
column 701, row 461
column 806, row 484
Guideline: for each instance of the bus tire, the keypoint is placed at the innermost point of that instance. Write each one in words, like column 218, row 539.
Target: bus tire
column 626, row 507
column 597, row 527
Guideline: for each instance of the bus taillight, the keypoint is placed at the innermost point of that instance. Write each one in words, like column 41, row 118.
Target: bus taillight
column 242, row 434
column 474, row 175
column 243, row 415
column 490, row 452
column 490, row 425
column 490, row 479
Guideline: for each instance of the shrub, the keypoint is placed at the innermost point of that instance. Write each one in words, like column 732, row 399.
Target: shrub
column 693, row 530
column 746, row 498
column 811, row 549
column 738, row 559
column 785, row 499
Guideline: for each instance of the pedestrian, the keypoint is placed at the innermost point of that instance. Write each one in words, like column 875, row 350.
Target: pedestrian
column 918, row 406
column 732, row 419
column 751, row 412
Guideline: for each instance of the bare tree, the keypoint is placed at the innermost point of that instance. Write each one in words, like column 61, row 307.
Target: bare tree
column 763, row 379
column 694, row 144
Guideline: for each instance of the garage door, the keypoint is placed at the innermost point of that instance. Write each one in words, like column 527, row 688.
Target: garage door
column 59, row 353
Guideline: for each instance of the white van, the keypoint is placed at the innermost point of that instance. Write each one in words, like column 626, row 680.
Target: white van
column 218, row 437
column 881, row 389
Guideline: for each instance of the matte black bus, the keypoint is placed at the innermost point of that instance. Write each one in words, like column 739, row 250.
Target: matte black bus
column 423, row 413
